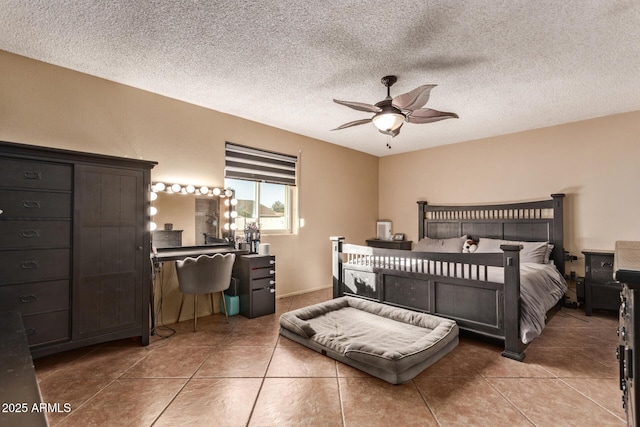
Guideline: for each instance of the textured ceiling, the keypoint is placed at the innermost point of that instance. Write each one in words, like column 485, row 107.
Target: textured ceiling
column 502, row 66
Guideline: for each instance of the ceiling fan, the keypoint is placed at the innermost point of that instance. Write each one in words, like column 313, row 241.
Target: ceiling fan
column 391, row 113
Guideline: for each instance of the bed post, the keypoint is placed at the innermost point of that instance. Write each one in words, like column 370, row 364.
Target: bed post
column 421, row 230
column 513, row 347
column 336, row 263
column 558, row 231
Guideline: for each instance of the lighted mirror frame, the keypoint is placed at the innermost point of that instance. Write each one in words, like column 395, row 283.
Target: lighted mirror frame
column 227, row 195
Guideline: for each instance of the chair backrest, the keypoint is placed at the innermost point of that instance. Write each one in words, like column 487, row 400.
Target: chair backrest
column 205, row 274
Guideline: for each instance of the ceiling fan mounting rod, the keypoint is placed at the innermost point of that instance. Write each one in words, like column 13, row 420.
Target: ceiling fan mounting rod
column 388, row 81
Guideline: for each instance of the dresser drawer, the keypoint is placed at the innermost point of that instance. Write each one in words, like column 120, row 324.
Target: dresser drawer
column 34, row 204
column 33, row 298
column 33, row 265
column 601, row 268
column 47, row 327
column 263, row 283
column 34, row 234
column 261, row 261
column 33, row 174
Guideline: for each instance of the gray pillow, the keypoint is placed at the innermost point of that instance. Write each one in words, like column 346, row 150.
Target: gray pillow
column 531, row 251
column 453, row 244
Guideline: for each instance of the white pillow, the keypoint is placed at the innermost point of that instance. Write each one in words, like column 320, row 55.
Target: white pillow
column 531, row 251
column 453, row 244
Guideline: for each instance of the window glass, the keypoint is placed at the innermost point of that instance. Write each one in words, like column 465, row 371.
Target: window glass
column 266, row 204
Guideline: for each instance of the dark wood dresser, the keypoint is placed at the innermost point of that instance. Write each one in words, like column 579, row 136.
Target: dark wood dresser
column 256, row 276
column 390, row 244
column 601, row 290
column 627, row 272
column 74, row 246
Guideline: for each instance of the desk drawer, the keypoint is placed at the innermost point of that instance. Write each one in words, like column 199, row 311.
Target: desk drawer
column 34, row 234
column 33, row 298
column 261, row 273
column 263, row 283
column 34, row 204
column 47, row 327
column 33, row 174
column 33, row 265
column 263, row 262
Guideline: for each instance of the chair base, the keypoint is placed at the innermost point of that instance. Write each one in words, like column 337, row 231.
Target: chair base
column 195, row 309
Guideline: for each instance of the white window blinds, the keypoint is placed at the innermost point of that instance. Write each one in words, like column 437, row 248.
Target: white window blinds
column 253, row 164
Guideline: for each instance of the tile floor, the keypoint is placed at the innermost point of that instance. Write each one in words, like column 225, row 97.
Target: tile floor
column 243, row 373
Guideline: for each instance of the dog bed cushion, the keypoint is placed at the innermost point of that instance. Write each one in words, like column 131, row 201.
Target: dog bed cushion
column 388, row 342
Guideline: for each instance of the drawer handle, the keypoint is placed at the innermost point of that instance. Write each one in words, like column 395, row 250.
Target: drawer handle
column 606, row 264
column 272, row 282
column 272, row 261
column 29, row 265
column 272, row 272
column 31, row 204
column 273, row 291
column 25, row 299
column 32, row 175
column 30, row 331
column 30, row 233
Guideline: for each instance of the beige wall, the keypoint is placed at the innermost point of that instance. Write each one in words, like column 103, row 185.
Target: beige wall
column 595, row 162
column 41, row 104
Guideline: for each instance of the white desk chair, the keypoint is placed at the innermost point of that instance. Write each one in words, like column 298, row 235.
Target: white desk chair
column 204, row 275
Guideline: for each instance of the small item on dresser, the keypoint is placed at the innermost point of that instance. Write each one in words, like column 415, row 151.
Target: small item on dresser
column 168, row 226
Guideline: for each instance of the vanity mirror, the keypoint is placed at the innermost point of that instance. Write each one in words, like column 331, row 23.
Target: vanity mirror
column 186, row 215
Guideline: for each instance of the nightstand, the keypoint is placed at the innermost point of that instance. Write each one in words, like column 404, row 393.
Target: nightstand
column 390, row 244
column 601, row 291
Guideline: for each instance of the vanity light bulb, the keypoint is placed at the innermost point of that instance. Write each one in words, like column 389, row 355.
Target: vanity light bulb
column 226, row 226
column 216, row 191
column 153, row 196
column 226, row 202
column 204, row 189
column 228, row 193
column 152, row 226
column 176, row 188
column 234, row 214
column 234, row 226
column 153, row 210
column 159, row 186
column 226, row 215
column 191, row 189
column 234, row 202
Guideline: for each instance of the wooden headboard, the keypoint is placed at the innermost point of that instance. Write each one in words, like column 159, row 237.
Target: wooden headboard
column 526, row 221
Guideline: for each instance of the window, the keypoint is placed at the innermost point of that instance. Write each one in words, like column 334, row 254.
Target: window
column 266, row 204
column 264, row 185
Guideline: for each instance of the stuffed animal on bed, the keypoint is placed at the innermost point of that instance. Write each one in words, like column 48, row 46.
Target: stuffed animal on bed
column 469, row 247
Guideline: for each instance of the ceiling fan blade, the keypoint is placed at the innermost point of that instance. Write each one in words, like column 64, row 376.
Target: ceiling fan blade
column 353, row 123
column 427, row 115
column 360, row 106
column 391, row 133
column 413, row 100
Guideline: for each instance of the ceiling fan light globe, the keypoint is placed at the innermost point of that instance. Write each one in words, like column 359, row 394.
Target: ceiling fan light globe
column 388, row 121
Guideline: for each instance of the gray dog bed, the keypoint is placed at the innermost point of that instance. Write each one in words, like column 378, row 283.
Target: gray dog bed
column 387, row 342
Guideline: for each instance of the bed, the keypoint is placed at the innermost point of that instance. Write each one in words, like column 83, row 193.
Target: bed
column 495, row 292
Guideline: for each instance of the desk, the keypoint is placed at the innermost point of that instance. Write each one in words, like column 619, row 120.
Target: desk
column 173, row 254
column 178, row 253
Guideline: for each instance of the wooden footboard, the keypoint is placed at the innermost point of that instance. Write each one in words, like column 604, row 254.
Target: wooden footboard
column 461, row 287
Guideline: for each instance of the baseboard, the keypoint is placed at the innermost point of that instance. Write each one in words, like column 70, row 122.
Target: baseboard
column 306, row 291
